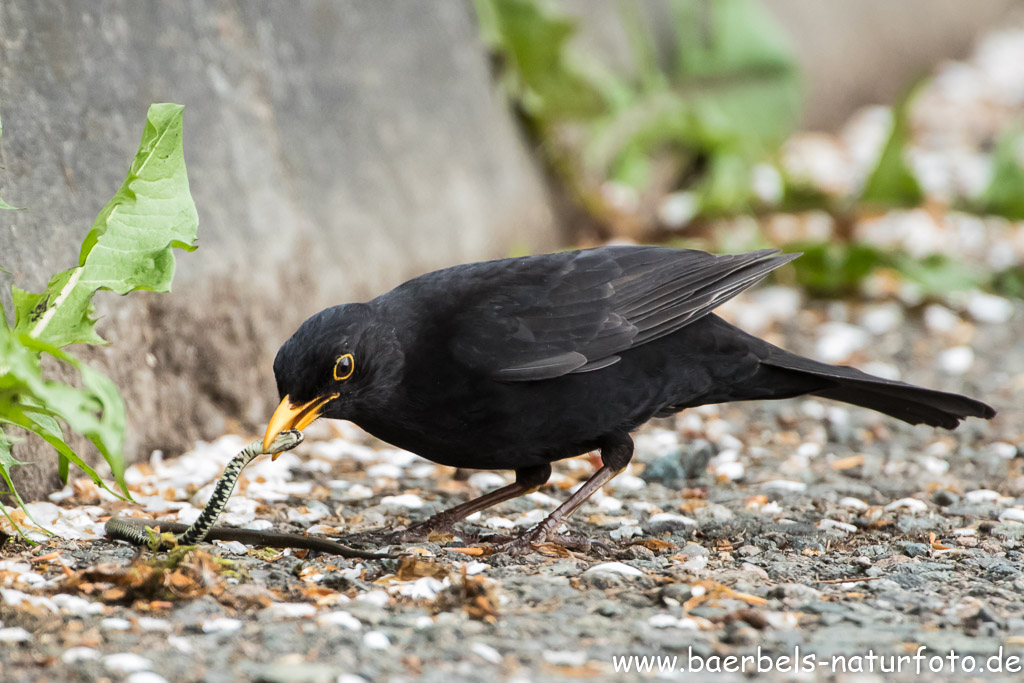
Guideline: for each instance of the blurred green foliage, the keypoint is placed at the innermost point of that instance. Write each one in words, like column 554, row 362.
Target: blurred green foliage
column 726, row 98
column 698, row 115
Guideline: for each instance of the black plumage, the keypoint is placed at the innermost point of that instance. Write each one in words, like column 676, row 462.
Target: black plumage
column 515, row 363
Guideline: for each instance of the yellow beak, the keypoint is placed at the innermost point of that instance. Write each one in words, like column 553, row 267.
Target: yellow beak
column 290, row 416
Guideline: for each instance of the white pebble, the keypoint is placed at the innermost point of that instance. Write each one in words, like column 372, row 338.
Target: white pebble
column 180, row 644
column 406, row 501
column 1001, row 449
column 982, row 496
column 1012, row 515
column 813, row 409
column 615, row 568
column 881, row 318
column 79, row 654
column 988, row 308
column 965, row 531
column 853, row 503
column 145, row 677
column 910, row 505
column 357, row 492
column 385, row 470
column 542, row 499
column 485, row 481
column 835, row 524
column 14, row 634
column 500, row 523
column 609, row 504
column 340, row 618
column 486, row 652
column 154, row 624
column 784, row 485
column 376, row 640
column 233, row 547
column 670, row 621
column 290, row 610
column 671, row 517
column 730, row 470
column 837, row 340
column 77, row 605
column 127, row 662
column 938, row 318
column 376, row 597
column 221, row 625
column 956, row 360
column 115, row 624
column 627, row 482
column 626, row 531
column 424, row 588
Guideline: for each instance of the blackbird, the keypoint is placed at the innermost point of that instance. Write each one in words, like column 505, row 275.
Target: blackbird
column 518, row 362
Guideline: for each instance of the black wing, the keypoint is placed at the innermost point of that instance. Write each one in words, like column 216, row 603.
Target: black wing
column 542, row 317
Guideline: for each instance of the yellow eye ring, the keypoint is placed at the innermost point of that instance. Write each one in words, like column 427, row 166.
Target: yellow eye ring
column 344, row 367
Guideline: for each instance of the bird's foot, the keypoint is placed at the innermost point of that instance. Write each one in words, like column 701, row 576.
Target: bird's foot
column 421, row 531
column 538, row 535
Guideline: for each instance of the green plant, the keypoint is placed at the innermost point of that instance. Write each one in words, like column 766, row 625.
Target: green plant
column 130, row 247
column 703, row 117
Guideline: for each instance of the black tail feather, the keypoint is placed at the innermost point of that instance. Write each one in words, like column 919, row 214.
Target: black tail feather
column 903, row 401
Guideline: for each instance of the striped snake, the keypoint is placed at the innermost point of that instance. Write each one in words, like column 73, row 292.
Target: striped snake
column 134, row 530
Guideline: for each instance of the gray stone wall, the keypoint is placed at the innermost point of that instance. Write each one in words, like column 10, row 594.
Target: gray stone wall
column 334, row 149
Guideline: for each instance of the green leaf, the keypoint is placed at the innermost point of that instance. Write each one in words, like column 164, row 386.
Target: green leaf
column 130, row 246
column 892, row 183
column 7, row 462
column 533, row 40
column 736, row 67
column 1005, row 193
column 834, row 269
column 30, row 401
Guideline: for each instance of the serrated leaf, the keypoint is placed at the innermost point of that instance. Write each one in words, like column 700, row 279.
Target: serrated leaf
column 130, row 246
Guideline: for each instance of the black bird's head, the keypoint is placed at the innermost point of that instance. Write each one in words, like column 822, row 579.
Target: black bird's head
column 334, row 361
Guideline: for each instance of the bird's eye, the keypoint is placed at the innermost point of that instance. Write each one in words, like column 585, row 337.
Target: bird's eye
column 344, row 367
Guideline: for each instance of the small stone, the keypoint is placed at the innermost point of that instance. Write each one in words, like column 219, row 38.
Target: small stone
column 614, row 568
column 115, row 624
column 376, row 640
column 988, row 308
column 938, row 318
column 956, row 360
column 221, row 625
column 944, row 498
column 79, row 654
column 784, row 486
column 127, row 662
column 1012, row 515
column 831, row 524
column 289, row 610
column 909, row 505
column 911, row 549
column 14, row 634
column 979, row 496
column 853, row 503
column 340, row 618
column 486, row 652
column 796, row 592
column 666, row 521
column 406, row 501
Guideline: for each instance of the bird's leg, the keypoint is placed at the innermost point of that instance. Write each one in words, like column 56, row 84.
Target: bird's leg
column 616, row 452
column 528, row 479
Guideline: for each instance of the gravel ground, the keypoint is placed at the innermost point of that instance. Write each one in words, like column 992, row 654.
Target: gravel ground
column 765, row 525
